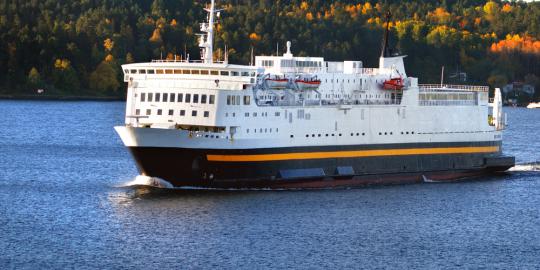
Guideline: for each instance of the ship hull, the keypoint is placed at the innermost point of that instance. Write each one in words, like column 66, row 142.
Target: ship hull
column 320, row 167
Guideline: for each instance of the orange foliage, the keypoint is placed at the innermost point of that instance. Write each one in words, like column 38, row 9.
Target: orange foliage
column 254, row 37
column 109, row 58
column 440, row 15
column 304, row 5
column 173, row 23
column 517, row 43
column 506, row 8
column 366, row 8
column 309, row 16
column 156, row 36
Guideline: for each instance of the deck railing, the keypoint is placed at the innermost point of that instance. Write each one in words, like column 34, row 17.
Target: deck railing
column 450, row 87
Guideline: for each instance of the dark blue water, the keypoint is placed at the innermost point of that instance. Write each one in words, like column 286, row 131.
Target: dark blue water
column 63, row 205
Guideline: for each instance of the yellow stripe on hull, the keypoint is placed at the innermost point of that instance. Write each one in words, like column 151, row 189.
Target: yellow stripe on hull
column 352, row 154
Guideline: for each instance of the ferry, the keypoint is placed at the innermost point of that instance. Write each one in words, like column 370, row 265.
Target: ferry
column 289, row 122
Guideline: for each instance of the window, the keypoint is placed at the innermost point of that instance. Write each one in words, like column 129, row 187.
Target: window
column 237, row 100
column 235, row 73
column 212, row 99
column 185, row 71
column 195, row 98
column 157, row 97
column 133, row 71
column 159, row 111
column 193, row 113
column 180, row 97
column 277, row 113
column 168, row 71
column 254, row 114
column 206, row 114
column 203, row 99
column 165, row 96
column 204, row 72
column 150, row 71
column 246, row 114
column 177, row 71
column 148, row 111
column 182, row 112
column 214, row 72
column 142, row 71
column 172, row 97
column 224, row 73
column 188, row 98
column 137, row 112
column 150, row 95
column 171, row 112
column 195, row 71
column 247, row 100
column 229, row 100
column 159, row 71
column 143, row 97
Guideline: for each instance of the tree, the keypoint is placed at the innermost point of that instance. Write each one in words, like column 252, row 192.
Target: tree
column 104, row 78
column 34, row 79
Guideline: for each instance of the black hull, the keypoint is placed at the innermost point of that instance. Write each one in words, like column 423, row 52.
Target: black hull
column 313, row 167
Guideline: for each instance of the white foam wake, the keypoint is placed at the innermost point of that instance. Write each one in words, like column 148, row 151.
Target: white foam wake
column 526, row 167
column 142, row 180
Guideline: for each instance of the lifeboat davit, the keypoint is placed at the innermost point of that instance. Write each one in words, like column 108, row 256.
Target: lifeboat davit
column 393, row 84
column 277, row 82
column 307, row 83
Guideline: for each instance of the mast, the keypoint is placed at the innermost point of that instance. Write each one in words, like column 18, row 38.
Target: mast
column 206, row 41
column 385, row 48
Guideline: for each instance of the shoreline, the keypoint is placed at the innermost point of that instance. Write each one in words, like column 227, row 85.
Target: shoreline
column 60, row 98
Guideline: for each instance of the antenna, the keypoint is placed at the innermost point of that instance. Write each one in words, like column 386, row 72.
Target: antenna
column 251, row 60
column 277, row 48
column 442, row 75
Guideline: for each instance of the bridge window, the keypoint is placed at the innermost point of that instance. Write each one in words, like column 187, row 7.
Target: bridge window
column 188, row 98
column 172, row 97
column 157, row 97
column 150, row 71
column 224, row 73
column 195, row 71
column 195, row 98
column 235, row 73
column 182, row 112
column 193, row 113
column 168, row 71
column 142, row 71
column 214, row 72
column 137, row 112
column 204, row 72
column 159, row 71
column 212, row 99
column 165, row 97
column 148, row 111
column 247, row 100
column 180, row 97
column 150, row 95
column 133, row 71
column 206, row 114
column 171, row 112
column 143, row 97
column 177, row 71
column 203, row 99
column 159, row 111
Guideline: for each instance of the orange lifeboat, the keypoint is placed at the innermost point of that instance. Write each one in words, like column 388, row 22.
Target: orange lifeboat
column 304, row 84
column 393, row 84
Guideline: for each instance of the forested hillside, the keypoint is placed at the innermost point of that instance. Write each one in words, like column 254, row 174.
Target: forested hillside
column 77, row 46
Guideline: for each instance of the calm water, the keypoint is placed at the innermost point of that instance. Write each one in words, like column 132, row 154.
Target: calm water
column 63, row 204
